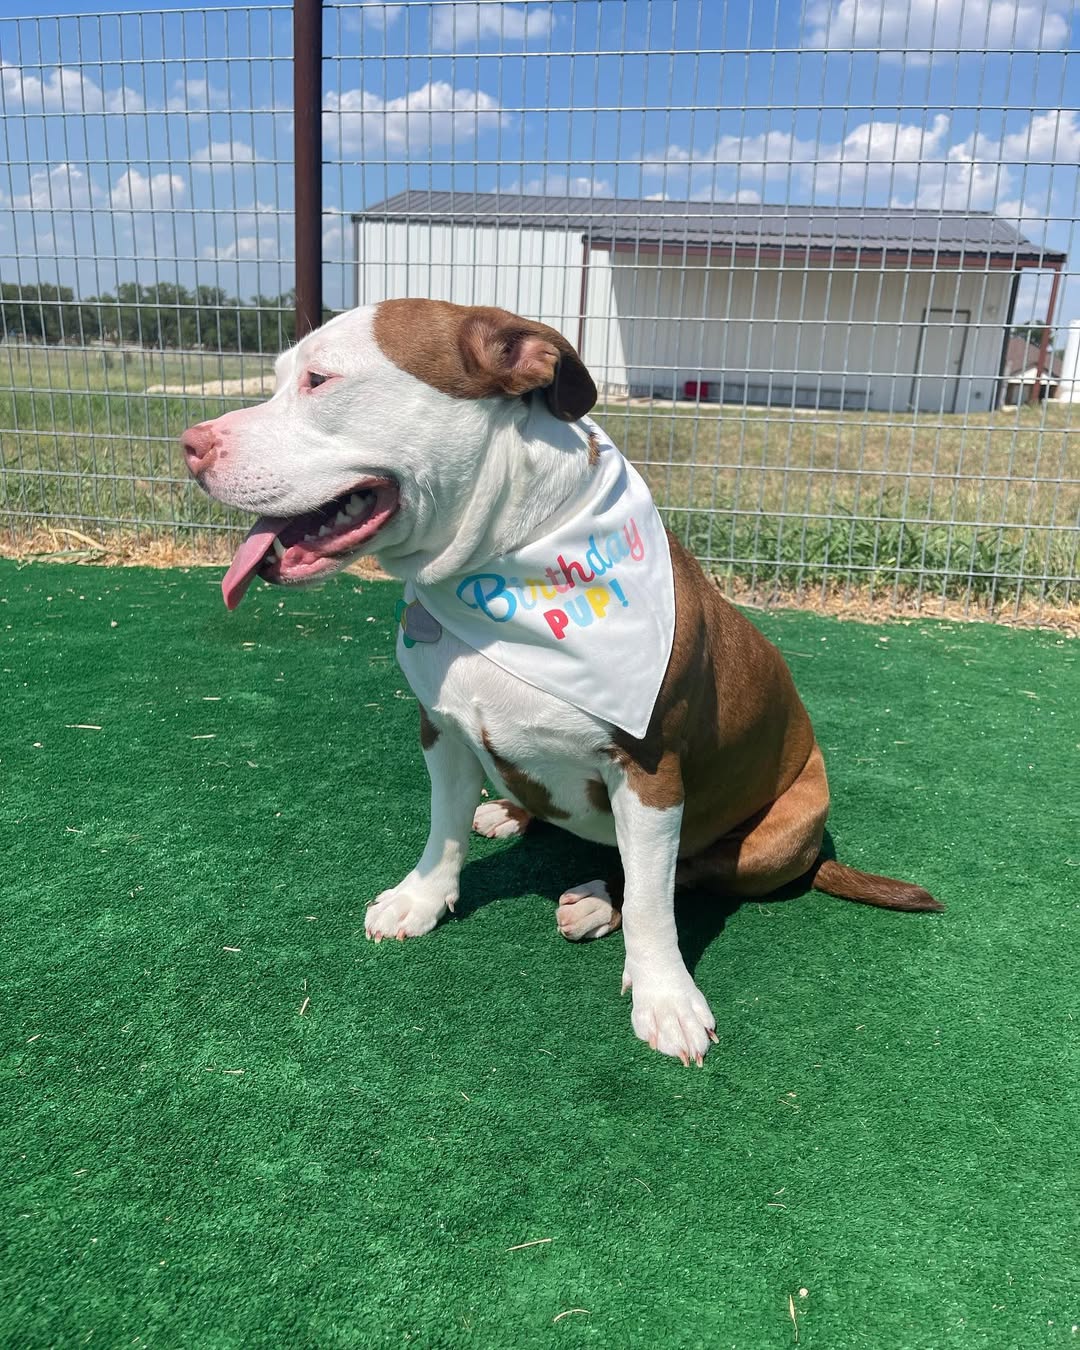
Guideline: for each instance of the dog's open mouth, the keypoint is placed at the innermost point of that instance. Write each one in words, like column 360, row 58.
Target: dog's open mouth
column 289, row 550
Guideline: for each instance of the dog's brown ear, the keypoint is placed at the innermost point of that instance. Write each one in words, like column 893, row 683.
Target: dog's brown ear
column 515, row 356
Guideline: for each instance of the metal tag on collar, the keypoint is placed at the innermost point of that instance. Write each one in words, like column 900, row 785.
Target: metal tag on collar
column 417, row 624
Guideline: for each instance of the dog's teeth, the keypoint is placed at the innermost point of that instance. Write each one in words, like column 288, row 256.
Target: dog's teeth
column 356, row 503
column 324, row 530
column 341, row 518
column 279, row 547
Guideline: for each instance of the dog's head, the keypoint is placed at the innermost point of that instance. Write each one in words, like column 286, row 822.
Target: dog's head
column 376, row 433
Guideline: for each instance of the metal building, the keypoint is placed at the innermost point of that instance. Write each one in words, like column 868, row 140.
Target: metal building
column 808, row 307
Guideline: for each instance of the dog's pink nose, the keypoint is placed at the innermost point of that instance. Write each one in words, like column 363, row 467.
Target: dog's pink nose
column 200, row 447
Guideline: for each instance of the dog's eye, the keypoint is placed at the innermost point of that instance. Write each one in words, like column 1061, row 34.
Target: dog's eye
column 314, row 379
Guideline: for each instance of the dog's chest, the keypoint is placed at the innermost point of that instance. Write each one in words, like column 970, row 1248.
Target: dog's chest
column 541, row 751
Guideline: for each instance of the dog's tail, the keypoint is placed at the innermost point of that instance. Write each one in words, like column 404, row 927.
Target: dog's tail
column 867, row 889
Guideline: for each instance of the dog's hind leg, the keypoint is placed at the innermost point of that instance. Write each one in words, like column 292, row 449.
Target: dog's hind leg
column 783, row 843
column 501, row 818
column 592, row 909
column 778, row 845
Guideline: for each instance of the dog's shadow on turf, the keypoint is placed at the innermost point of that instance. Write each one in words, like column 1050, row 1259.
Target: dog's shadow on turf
column 548, row 861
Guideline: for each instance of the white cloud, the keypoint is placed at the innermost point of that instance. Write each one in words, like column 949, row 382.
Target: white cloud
column 436, row 113
column 879, row 162
column 712, row 194
column 1022, row 213
column 881, row 157
column 981, row 174
column 244, row 246
column 64, row 187
column 1050, row 138
column 772, row 151
column 465, row 25
column 469, row 24
column 188, row 94
column 962, row 183
column 458, row 25
column 62, row 89
column 939, row 25
column 336, row 235
column 144, row 192
column 560, row 185
column 735, row 168
column 53, row 194
column 376, row 14
column 224, row 155
column 259, row 233
column 191, row 94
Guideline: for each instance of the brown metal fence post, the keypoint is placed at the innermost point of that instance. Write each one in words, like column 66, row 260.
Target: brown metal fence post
column 1044, row 344
column 307, row 122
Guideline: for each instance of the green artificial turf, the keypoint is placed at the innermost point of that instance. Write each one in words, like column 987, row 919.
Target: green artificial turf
column 231, row 1121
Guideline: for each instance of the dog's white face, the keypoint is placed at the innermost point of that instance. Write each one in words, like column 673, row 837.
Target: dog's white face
column 375, row 437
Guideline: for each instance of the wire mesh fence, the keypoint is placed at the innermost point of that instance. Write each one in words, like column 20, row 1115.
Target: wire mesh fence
column 820, row 260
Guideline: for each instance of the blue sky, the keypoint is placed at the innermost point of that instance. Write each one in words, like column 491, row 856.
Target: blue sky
column 158, row 143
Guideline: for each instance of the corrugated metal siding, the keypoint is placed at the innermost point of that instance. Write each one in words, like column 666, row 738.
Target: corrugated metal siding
column 526, row 270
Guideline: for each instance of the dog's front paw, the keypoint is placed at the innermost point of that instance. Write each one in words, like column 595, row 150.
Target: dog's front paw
column 407, row 910
column 671, row 1014
column 500, row 819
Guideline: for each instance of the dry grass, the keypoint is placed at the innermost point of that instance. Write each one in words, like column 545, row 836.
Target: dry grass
column 858, row 605
column 61, row 544
column 854, row 603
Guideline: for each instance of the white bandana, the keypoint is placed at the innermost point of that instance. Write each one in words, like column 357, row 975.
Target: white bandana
column 585, row 610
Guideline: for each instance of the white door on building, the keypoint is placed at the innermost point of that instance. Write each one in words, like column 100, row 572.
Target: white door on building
column 936, row 385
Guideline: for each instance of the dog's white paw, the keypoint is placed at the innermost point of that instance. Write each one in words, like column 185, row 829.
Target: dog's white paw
column 500, row 819
column 407, row 910
column 671, row 1014
column 586, row 912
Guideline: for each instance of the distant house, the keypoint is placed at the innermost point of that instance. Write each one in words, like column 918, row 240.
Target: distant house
column 803, row 307
column 1022, row 371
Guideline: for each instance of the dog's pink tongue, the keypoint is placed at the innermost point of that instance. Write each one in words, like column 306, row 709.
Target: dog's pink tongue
column 248, row 557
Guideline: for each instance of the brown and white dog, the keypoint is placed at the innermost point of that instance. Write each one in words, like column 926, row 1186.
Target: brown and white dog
column 417, row 430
